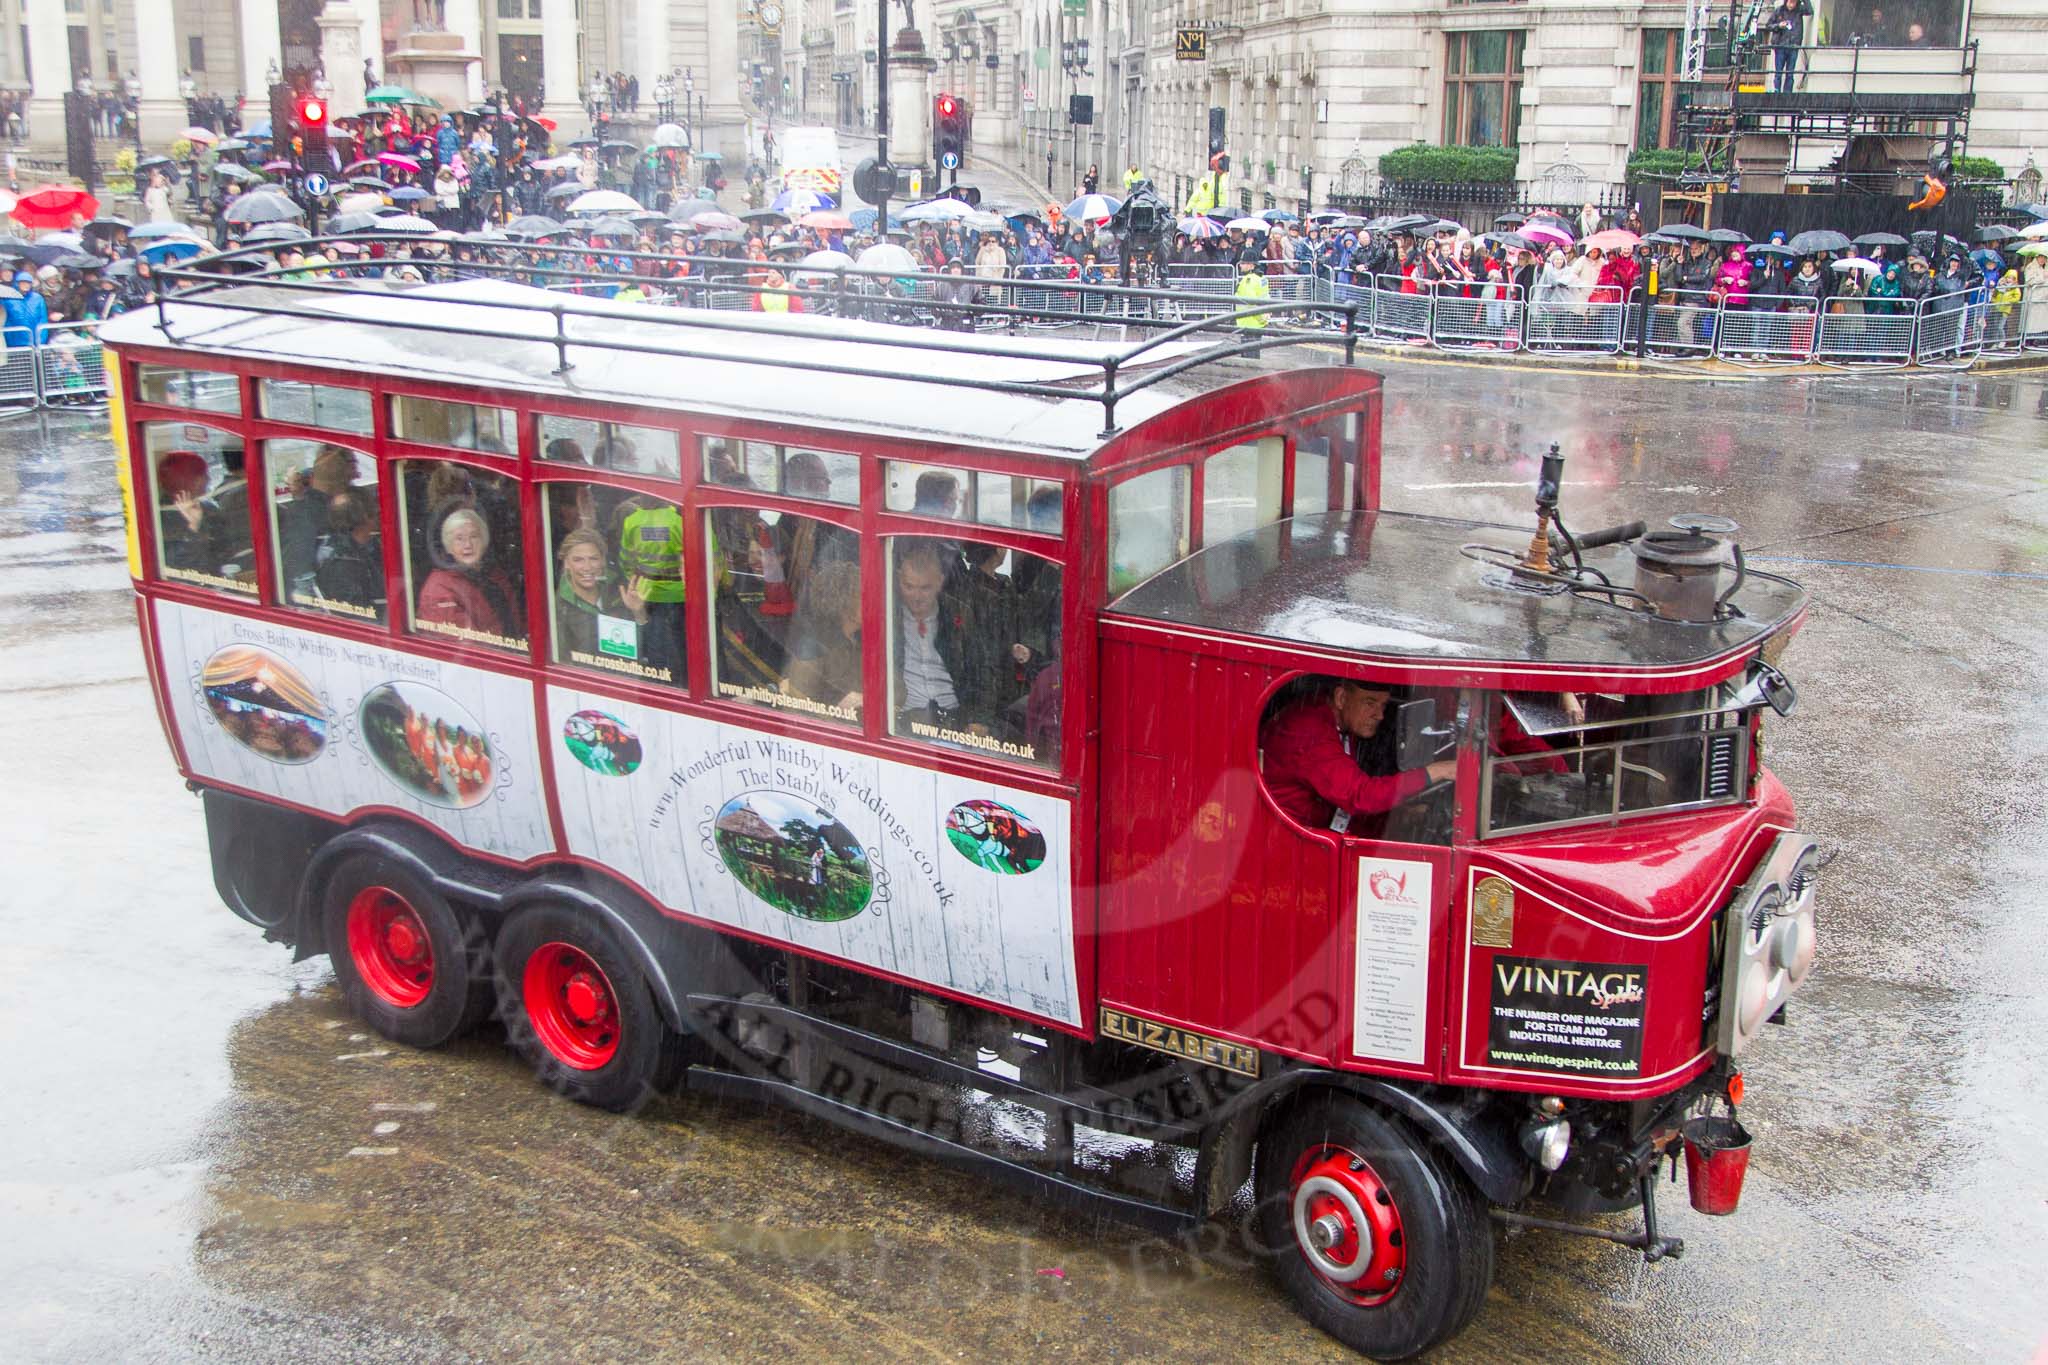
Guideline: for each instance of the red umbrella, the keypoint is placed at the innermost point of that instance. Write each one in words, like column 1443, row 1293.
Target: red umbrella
column 404, row 163
column 544, row 121
column 53, row 206
column 1614, row 239
column 829, row 221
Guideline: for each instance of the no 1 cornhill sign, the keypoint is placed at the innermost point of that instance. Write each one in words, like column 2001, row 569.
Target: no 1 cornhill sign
column 1191, row 45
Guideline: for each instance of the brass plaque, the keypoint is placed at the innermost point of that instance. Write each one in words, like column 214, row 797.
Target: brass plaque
column 1180, row 1042
column 1493, row 913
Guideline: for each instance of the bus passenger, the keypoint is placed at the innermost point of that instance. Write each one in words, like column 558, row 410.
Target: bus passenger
column 1312, row 751
column 189, row 523
column 464, row 589
column 928, row 646
column 825, row 659
column 584, row 592
column 303, row 520
column 650, row 538
column 349, row 561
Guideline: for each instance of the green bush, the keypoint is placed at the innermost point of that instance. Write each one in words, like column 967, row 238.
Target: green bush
column 1450, row 165
column 1666, row 161
column 1978, row 168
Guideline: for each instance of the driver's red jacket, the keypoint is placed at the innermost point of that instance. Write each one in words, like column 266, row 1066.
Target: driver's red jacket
column 1312, row 774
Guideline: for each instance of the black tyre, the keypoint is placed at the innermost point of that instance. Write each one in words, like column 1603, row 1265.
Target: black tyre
column 1376, row 1237
column 576, row 1005
column 411, row 965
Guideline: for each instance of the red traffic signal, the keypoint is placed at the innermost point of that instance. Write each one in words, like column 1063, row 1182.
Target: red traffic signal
column 948, row 106
column 312, row 111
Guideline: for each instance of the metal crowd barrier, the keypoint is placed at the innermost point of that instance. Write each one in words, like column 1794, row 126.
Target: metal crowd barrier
column 1767, row 328
column 1577, row 325
column 1876, row 332
column 65, row 367
column 1400, row 311
column 1481, row 323
column 1946, row 333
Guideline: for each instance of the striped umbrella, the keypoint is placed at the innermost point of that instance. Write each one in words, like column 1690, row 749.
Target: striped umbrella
column 1199, row 227
column 1090, row 207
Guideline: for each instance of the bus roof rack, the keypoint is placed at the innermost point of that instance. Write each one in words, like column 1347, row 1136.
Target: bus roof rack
column 249, row 281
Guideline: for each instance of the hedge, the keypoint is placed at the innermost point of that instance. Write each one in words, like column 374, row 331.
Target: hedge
column 1450, row 165
column 1978, row 168
column 1667, row 161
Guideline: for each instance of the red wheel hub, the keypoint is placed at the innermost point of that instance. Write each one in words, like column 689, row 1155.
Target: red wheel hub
column 389, row 945
column 1347, row 1226
column 571, row 1005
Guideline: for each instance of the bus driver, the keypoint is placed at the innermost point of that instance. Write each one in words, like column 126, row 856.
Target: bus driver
column 1311, row 759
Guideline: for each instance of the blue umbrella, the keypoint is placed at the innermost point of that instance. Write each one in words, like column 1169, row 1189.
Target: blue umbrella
column 796, row 203
column 1090, row 207
column 1987, row 259
column 2039, row 211
column 407, row 193
column 1279, row 216
column 171, row 249
column 259, row 131
column 862, row 219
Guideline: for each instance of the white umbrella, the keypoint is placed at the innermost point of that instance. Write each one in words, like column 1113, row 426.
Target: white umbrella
column 1861, row 264
column 604, row 201
column 365, row 202
column 935, row 211
column 1248, row 225
column 568, row 161
column 2037, row 231
column 1090, row 207
column 63, row 239
column 886, row 258
column 671, row 135
column 828, row 259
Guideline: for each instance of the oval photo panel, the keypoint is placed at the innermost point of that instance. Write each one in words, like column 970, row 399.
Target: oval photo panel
column 794, row 856
column 602, row 743
column 427, row 743
column 995, row 838
column 264, row 704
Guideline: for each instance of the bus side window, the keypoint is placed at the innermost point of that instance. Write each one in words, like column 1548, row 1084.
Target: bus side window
column 785, row 611
column 201, row 492
column 1148, row 526
column 325, row 528
column 610, row 445
column 464, row 426
column 1241, row 489
column 463, row 567
column 617, row 602
column 1326, row 467
column 974, row 647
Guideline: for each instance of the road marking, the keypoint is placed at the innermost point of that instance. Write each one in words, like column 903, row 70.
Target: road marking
column 386, row 1128
column 373, row 1151
column 358, row 1056
column 415, row 1107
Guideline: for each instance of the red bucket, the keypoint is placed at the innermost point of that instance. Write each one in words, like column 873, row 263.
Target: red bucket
column 1716, row 1159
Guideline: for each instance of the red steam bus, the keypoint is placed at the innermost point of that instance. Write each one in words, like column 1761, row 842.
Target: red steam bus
column 898, row 727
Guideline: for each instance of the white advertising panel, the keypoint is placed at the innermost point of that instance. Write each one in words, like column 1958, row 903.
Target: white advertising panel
column 340, row 727
column 1390, row 984
column 957, row 883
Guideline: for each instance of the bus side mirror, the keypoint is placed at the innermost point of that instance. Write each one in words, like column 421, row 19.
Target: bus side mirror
column 1418, row 739
column 1768, row 687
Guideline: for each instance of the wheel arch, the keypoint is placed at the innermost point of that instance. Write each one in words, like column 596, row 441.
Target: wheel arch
column 1458, row 1122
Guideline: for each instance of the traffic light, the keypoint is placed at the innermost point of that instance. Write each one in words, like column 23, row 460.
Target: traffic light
column 312, row 121
column 284, row 118
column 949, row 132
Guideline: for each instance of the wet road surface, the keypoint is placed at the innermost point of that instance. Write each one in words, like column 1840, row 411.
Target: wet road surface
column 207, row 1158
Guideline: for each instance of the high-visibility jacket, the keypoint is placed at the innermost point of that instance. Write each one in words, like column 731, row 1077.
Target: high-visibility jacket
column 1131, row 179
column 651, row 548
column 1209, row 193
column 1252, row 289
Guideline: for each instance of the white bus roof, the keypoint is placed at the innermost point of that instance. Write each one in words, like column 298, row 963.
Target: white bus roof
column 499, row 334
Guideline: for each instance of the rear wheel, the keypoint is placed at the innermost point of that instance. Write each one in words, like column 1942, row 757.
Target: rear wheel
column 411, row 966
column 580, row 1010
column 1375, row 1236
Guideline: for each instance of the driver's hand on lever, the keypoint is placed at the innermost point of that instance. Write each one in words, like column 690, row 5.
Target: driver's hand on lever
column 1443, row 770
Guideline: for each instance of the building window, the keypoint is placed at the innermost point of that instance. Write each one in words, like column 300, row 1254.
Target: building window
column 1483, row 89
column 195, row 53
column 1657, row 88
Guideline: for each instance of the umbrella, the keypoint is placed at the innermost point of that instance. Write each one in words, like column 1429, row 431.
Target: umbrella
column 1513, row 241
column 761, row 216
column 717, row 220
column 863, row 219
column 1869, row 239
column 261, row 206
column 799, row 202
column 2034, row 249
column 568, row 161
column 1728, row 237
column 1995, row 233
column 168, row 248
column 611, row 227
column 935, row 211
column 1199, row 227
column 1248, row 225
column 396, row 94
column 1510, row 220
column 1089, row 207
column 353, row 222
column 153, row 231
column 54, row 206
column 233, row 145
column 823, row 260
column 204, row 136
column 408, row 194
column 77, row 260
column 150, row 163
column 1817, row 240
column 368, row 163
column 568, row 191
column 830, row 222
column 371, row 182
column 984, row 222
column 683, row 210
column 724, row 238
column 1862, row 265
column 228, row 170
column 1549, row 234
column 585, row 142
column 398, row 160
column 1614, row 239
column 1279, row 216
column 2035, row 231
column 670, row 135
column 364, row 202
column 532, row 225
column 121, row 269
column 886, row 258
column 605, row 201
column 274, row 166
column 1408, row 222
column 11, row 246
column 258, row 131
column 648, row 218
column 1929, row 243
column 1773, row 249
column 789, row 249
column 276, row 232
column 1445, row 225
column 103, row 226
column 403, row 222
column 1984, row 258
column 66, row 241
column 1681, row 232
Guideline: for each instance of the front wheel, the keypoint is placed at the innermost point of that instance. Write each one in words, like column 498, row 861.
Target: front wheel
column 1379, row 1241
column 577, row 1006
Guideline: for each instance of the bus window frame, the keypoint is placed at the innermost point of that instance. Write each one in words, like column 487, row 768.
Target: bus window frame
column 139, row 414
column 540, row 596
column 269, row 513
column 1198, row 518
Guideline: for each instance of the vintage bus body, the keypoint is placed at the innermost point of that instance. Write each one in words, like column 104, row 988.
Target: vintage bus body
column 1379, row 1034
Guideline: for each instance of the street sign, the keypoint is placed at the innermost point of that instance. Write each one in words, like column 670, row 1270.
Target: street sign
column 917, row 183
column 1030, row 96
column 1191, row 45
column 316, row 183
column 950, row 161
